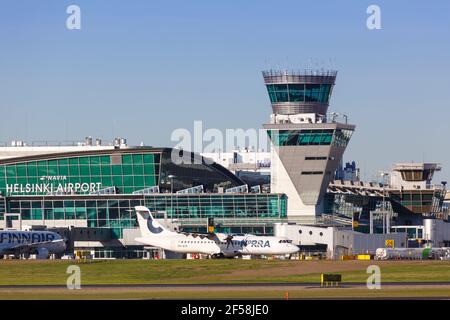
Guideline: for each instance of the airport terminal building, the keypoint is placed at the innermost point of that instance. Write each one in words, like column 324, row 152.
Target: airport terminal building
column 87, row 191
column 93, row 192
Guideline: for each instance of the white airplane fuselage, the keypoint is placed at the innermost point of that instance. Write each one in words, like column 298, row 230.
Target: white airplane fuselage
column 154, row 234
column 239, row 245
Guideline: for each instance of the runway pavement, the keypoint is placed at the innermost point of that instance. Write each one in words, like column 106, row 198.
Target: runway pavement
column 226, row 285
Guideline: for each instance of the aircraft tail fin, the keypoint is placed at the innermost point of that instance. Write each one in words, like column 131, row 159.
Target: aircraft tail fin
column 147, row 224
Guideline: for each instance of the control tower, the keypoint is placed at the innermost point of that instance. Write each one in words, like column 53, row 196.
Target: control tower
column 307, row 143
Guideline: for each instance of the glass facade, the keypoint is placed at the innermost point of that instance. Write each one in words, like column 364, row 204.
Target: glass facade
column 338, row 137
column 419, row 201
column 194, row 171
column 408, row 206
column 230, row 206
column 416, row 175
column 81, row 174
column 357, row 206
column 124, row 173
column 299, row 92
column 68, row 190
column 117, row 212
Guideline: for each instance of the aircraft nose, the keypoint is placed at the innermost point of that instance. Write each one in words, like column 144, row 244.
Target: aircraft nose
column 293, row 248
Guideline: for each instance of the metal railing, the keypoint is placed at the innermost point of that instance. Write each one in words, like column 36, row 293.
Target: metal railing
column 300, row 72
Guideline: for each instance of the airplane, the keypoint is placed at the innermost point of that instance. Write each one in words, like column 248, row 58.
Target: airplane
column 42, row 243
column 216, row 245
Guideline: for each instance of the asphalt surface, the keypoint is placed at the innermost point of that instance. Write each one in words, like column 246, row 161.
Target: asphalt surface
column 225, row 285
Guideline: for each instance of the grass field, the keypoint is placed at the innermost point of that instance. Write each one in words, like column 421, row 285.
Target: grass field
column 48, row 272
column 20, row 272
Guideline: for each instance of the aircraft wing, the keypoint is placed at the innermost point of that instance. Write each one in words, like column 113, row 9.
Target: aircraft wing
column 210, row 236
column 221, row 237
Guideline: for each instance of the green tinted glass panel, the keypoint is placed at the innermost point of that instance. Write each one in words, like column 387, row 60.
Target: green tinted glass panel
column 148, row 169
column 21, row 170
column 84, row 161
column 11, row 170
column 139, row 181
column 84, row 171
column 91, row 213
column 106, row 170
column 148, row 158
column 49, row 214
column 137, row 158
column 42, row 169
column 128, row 181
column 70, row 213
column 80, row 213
column 63, row 170
column 95, row 170
column 117, row 181
column 127, row 169
column 31, row 169
column 149, row 181
column 2, row 181
column 36, row 214
column 126, row 159
column 117, row 170
column 128, row 190
column 52, row 170
column 106, row 182
column 105, row 160
column 58, row 213
column 95, row 160
column 11, row 180
column 73, row 170
column 138, row 170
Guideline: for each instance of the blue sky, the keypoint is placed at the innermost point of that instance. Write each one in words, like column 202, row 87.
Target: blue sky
column 140, row 69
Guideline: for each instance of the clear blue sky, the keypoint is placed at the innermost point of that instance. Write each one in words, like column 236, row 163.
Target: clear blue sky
column 140, row 69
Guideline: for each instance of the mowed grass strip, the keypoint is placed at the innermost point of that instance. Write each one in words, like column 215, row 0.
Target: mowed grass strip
column 436, row 271
column 53, row 272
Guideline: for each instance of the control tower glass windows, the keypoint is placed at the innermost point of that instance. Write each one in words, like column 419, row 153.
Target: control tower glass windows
column 301, row 137
column 342, row 137
column 338, row 137
column 324, row 93
column 297, row 92
column 413, row 175
column 281, row 92
column 312, row 92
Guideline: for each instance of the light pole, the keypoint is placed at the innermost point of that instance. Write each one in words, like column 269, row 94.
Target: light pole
column 171, row 176
column 386, row 223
